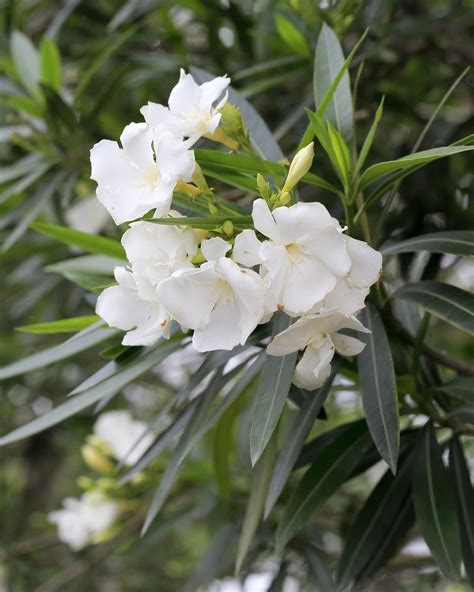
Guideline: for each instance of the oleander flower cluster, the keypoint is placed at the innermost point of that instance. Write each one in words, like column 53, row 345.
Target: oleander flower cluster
column 292, row 258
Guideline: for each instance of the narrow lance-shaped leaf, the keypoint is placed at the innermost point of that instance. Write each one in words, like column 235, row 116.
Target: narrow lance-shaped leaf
column 453, row 305
column 455, row 242
column 63, row 326
column 27, row 62
column 297, row 435
column 434, row 504
column 324, row 476
column 464, row 495
column 369, row 139
column 378, row 387
column 50, row 64
column 271, row 395
column 328, row 61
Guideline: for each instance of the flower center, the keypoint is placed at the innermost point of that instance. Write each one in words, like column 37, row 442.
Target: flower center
column 151, row 177
column 294, row 251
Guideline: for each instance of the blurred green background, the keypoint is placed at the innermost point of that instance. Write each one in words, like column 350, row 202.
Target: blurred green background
column 116, row 56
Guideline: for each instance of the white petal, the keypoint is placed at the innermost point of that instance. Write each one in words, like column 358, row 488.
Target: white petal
column 300, row 221
column 263, row 219
column 330, row 248
column 184, row 98
column 214, row 248
column 190, row 295
column 366, row 263
column 136, row 140
column 296, row 337
column 247, row 249
column 174, row 160
column 211, row 91
column 222, row 331
column 249, row 293
column 344, row 298
column 347, row 346
column 159, row 116
column 314, row 367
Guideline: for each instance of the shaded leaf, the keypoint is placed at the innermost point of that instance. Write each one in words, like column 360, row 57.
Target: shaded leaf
column 461, row 387
column 456, row 242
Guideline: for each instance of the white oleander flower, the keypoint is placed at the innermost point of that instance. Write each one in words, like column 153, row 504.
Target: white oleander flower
column 319, row 336
column 193, row 109
column 142, row 174
column 121, row 306
column 155, row 252
column 80, row 521
column 127, row 438
column 220, row 301
column 304, row 257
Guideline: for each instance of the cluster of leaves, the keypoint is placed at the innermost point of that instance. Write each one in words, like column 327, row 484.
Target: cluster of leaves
column 56, row 108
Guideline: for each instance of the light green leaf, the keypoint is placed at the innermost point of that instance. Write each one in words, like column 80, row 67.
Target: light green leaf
column 84, row 340
column 453, row 305
column 64, row 326
column 328, row 63
column 113, row 384
column 369, row 139
column 378, row 387
column 271, row 395
column 424, row 157
column 297, row 435
column 455, row 242
column 292, row 36
column 92, row 264
column 27, row 62
column 341, row 153
column 434, row 504
column 50, row 64
column 464, row 496
column 84, row 241
column 324, row 476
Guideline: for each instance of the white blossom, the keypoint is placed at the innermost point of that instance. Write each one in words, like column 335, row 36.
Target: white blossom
column 142, row 174
column 319, row 336
column 303, row 258
column 220, row 301
column 81, row 520
column 155, row 252
column 127, row 438
column 121, row 306
column 193, row 109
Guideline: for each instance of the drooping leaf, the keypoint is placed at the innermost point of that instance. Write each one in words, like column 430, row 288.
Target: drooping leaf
column 50, row 64
column 324, row 476
column 434, row 504
column 297, row 435
column 380, row 511
column 261, row 137
column 90, row 243
column 424, row 157
column 453, row 305
column 464, row 496
column 63, row 326
column 271, row 395
column 455, row 242
column 328, row 62
column 378, row 387
column 84, row 340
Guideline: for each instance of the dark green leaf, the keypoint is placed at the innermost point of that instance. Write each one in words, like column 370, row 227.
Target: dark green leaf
column 320, row 571
column 434, row 504
column 208, row 221
column 461, row 387
column 456, row 242
column 378, row 387
column 449, row 303
column 464, row 496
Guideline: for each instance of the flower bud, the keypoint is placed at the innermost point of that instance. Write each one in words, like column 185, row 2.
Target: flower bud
column 263, row 186
column 285, row 198
column 95, row 459
column 299, row 166
column 228, row 228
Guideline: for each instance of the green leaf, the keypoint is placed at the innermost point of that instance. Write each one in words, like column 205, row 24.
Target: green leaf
column 369, row 139
column 259, row 482
column 461, row 387
column 27, row 62
column 453, row 305
column 124, row 375
column 260, row 136
column 89, row 243
column 297, row 435
column 341, row 153
column 271, row 395
column 325, row 475
column 50, row 64
column 64, row 326
column 464, row 496
column 434, row 504
column 27, row 164
column 368, row 532
column 328, row 64
column 84, row 340
column 455, row 242
column 205, row 222
column 418, row 158
column 378, row 387
column 91, row 283
column 92, row 264
column 59, row 114
column 319, row 569
column 292, row 36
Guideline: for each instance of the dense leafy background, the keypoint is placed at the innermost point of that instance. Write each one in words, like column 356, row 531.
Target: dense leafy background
column 114, row 57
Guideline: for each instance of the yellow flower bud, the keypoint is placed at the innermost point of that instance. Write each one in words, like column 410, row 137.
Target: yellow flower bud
column 96, row 460
column 228, row 228
column 299, row 166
